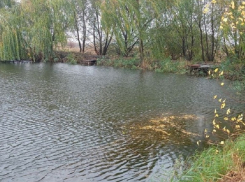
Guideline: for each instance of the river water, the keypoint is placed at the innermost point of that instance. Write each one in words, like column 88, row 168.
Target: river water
column 74, row 123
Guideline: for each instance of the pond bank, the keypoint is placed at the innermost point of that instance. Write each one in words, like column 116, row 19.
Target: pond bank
column 222, row 164
column 233, row 70
column 165, row 66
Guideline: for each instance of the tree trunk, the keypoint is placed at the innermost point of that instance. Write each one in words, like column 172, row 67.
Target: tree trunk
column 84, row 31
column 141, row 50
column 77, row 31
column 213, row 34
column 201, row 37
column 206, row 37
column 183, row 47
column 94, row 41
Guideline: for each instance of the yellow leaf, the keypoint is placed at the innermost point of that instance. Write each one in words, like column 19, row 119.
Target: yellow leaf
column 232, row 5
column 217, row 126
column 213, row 1
column 222, row 142
column 206, row 9
column 222, row 84
column 233, row 119
column 217, row 151
column 222, row 105
column 214, row 122
column 226, row 118
column 240, row 117
column 214, row 130
column 220, row 100
column 207, row 136
column 215, row 96
column 238, row 126
column 224, row 19
column 228, row 131
column 216, row 115
column 228, row 111
column 221, row 73
column 205, row 131
column 216, row 70
column 215, row 111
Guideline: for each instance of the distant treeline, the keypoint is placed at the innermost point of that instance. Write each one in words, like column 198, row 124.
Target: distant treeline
column 202, row 30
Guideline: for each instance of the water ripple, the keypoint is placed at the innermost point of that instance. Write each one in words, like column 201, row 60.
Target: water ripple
column 73, row 123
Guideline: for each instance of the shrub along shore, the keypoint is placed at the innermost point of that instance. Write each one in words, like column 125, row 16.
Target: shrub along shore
column 164, row 66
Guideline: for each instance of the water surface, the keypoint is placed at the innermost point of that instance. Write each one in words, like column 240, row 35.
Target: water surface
column 74, row 123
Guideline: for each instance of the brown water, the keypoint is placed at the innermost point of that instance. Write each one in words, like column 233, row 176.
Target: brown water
column 73, row 123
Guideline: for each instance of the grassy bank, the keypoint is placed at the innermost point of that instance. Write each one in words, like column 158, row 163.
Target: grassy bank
column 222, row 164
column 233, row 69
column 164, row 66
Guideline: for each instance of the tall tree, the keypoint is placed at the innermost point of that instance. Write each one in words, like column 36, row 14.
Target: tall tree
column 33, row 27
column 119, row 16
column 145, row 15
column 102, row 35
column 80, row 22
column 11, row 39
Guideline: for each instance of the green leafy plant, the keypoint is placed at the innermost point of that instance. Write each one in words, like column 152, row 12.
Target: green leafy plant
column 71, row 59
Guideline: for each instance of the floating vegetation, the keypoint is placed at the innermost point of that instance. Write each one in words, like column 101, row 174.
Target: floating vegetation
column 174, row 128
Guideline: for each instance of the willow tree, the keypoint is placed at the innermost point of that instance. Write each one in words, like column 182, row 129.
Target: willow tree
column 102, row 35
column 145, row 15
column 185, row 27
column 46, row 24
column 120, row 16
column 80, row 13
column 130, row 21
column 11, row 39
column 168, row 28
column 33, row 28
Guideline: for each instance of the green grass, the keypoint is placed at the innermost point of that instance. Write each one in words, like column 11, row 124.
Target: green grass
column 234, row 69
column 215, row 162
column 131, row 63
column 169, row 66
column 71, row 59
column 163, row 66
